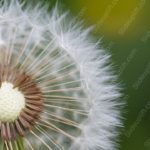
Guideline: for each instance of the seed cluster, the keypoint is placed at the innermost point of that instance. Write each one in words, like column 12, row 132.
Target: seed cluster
column 33, row 103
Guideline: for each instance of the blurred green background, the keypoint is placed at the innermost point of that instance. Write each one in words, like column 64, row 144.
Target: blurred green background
column 124, row 26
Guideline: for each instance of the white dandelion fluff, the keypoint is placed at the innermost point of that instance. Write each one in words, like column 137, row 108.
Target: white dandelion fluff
column 57, row 89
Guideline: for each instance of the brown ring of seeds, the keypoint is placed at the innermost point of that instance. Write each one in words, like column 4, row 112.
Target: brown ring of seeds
column 33, row 103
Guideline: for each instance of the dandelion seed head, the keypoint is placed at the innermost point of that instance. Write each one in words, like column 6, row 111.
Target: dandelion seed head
column 67, row 96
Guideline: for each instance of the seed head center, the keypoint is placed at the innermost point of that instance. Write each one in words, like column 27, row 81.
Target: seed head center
column 12, row 101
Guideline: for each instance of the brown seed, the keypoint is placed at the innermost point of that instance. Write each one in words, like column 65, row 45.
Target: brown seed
column 3, row 132
column 24, row 123
column 13, row 131
column 19, row 128
column 8, row 130
column 27, row 117
column 35, row 102
column 33, row 107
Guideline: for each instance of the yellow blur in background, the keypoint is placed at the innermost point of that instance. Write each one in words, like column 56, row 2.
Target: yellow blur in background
column 114, row 18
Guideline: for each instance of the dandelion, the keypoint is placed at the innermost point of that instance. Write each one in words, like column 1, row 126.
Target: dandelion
column 57, row 90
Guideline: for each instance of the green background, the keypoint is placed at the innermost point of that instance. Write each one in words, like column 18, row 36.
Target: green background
column 124, row 27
